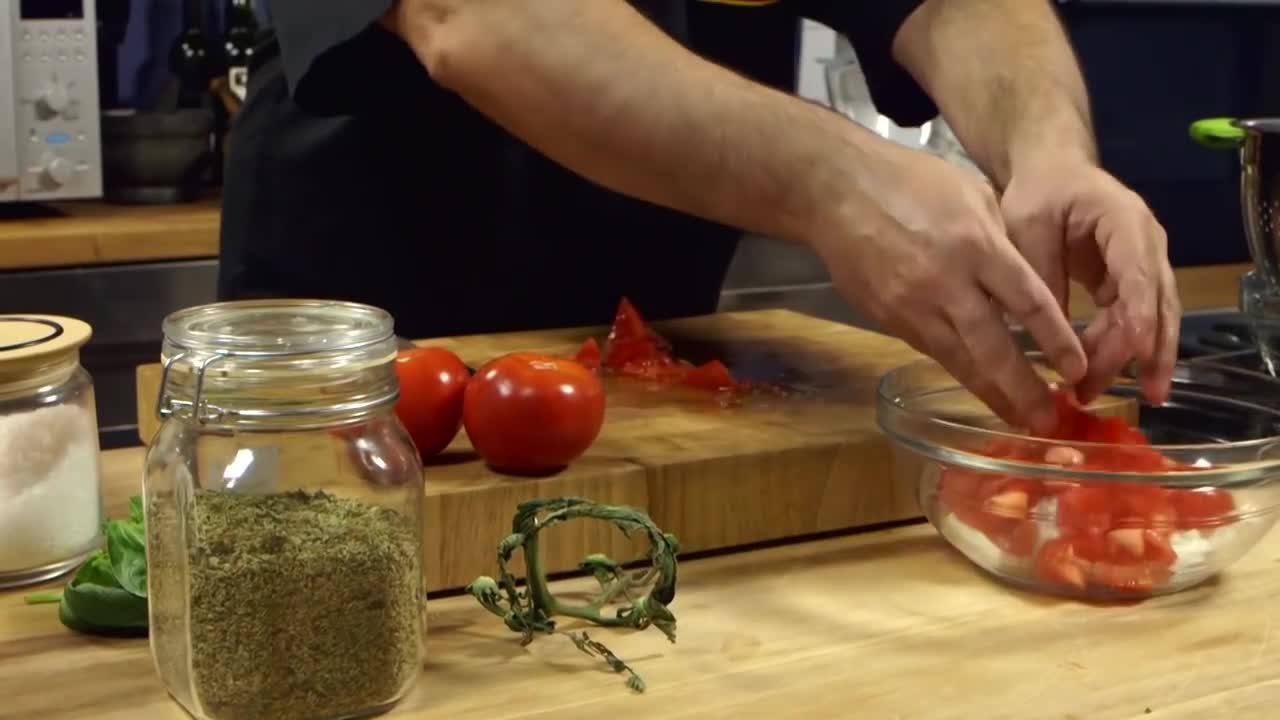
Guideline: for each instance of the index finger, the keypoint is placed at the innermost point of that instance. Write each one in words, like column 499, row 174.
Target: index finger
column 1011, row 281
column 1124, row 242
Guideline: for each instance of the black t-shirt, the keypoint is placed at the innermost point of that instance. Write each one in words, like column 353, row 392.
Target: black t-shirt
column 351, row 175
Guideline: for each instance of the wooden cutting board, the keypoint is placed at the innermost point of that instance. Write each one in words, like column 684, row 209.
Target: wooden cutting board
column 717, row 477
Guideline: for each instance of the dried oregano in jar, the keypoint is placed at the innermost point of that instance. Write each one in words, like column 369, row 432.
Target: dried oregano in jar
column 302, row 604
column 283, row 503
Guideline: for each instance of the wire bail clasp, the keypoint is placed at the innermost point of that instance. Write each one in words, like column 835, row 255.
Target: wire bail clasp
column 202, row 412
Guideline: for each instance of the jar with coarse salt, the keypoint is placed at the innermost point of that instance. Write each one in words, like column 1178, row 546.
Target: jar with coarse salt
column 51, row 511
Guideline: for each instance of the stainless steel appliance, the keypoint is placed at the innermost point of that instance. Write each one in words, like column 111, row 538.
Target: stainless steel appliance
column 1253, row 342
column 50, row 143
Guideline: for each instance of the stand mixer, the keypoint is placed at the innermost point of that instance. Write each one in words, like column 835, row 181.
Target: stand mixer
column 1258, row 143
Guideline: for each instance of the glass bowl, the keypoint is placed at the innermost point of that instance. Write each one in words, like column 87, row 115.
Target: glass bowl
column 1094, row 520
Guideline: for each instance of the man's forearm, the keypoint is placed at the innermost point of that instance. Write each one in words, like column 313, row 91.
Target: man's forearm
column 598, row 88
column 1004, row 75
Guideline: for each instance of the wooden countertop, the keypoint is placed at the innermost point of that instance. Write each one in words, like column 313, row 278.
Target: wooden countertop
column 887, row 624
column 93, row 233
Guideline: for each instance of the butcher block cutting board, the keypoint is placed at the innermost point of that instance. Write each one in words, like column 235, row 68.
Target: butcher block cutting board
column 718, row 477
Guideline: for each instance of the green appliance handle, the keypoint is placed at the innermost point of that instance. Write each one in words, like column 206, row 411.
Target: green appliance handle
column 1218, row 132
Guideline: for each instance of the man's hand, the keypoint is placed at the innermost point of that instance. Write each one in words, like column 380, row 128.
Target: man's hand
column 1004, row 75
column 931, row 261
column 1073, row 221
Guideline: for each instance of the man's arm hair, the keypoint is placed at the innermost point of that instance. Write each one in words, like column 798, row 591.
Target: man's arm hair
column 598, row 88
column 1005, row 76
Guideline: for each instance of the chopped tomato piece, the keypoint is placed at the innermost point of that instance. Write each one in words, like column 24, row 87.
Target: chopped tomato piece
column 1073, row 421
column 1159, row 549
column 589, row 354
column 1201, row 507
column 632, row 342
column 628, row 325
column 1128, row 578
column 711, row 375
column 1142, row 505
column 995, row 505
column 1089, row 544
column 1083, row 507
column 1111, row 430
column 1017, row 537
column 1058, row 564
column 1112, row 535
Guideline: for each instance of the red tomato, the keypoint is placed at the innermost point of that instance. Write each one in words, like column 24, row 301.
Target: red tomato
column 432, row 381
column 532, row 413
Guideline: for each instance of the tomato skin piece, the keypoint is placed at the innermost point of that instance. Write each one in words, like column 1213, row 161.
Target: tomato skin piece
column 432, row 384
column 588, row 354
column 711, row 375
column 529, row 413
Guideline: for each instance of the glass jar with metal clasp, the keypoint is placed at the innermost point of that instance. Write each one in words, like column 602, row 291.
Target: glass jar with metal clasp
column 283, row 503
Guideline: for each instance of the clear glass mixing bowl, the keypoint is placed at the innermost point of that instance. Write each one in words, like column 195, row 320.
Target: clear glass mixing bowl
column 1051, row 516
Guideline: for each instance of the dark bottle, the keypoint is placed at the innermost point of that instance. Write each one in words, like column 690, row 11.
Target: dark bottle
column 238, row 43
column 191, row 59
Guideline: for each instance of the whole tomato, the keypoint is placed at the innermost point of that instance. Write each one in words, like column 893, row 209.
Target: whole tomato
column 532, row 413
column 432, row 381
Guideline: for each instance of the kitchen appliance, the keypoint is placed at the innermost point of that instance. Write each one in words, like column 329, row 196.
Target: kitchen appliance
column 50, row 143
column 850, row 96
column 1257, row 338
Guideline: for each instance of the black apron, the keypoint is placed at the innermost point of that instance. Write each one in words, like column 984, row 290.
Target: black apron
column 424, row 207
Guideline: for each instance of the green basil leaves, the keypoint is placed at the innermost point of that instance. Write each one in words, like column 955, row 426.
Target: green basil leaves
column 108, row 594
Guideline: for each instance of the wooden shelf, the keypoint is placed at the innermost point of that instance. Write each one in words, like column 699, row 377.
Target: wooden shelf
column 98, row 233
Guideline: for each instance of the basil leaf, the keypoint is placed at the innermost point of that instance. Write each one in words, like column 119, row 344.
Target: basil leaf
column 96, row 570
column 110, row 612
column 135, row 509
column 126, row 547
column 95, row 603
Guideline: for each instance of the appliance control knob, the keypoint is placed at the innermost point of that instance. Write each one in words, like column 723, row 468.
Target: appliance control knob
column 53, row 99
column 57, row 171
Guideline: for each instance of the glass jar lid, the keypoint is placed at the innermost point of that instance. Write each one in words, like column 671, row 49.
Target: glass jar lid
column 32, row 347
column 264, row 360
